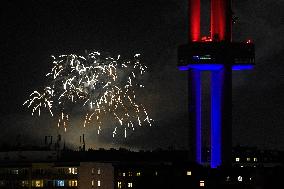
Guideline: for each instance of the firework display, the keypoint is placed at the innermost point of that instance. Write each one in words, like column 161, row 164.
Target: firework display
column 101, row 85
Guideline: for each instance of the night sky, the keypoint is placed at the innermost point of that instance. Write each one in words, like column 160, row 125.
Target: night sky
column 32, row 31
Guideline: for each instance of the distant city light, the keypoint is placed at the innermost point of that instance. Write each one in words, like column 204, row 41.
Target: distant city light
column 248, row 41
column 240, row 178
column 188, row 173
column 228, row 178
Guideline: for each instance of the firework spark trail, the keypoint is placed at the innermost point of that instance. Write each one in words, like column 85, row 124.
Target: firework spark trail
column 105, row 84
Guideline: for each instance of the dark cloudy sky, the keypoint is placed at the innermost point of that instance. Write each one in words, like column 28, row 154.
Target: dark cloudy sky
column 31, row 31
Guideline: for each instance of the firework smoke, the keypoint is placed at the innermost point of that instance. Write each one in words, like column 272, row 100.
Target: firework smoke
column 103, row 84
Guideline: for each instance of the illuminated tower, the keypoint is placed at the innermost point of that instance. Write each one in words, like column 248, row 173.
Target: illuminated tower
column 218, row 55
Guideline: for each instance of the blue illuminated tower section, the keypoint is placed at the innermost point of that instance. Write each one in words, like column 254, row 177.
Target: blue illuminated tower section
column 218, row 55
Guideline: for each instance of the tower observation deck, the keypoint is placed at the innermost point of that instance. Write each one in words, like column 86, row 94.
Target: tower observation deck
column 218, row 55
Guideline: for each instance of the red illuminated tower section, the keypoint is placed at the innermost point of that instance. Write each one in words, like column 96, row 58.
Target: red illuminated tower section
column 219, row 55
column 221, row 20
column 194, row 20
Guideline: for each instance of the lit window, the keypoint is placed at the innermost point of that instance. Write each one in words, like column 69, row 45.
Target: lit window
column 248, row 159
column 156, row 173
column 123, row 174
column 255, row 159
column 240, row 178
column 129, row 185
column 99, row 171
column 138, row 174
column 25, row 183
column 72, row 170
column 73, row 183
column 60, row 183
column 37, row 183
column 237, row 159
column 99, row 183
column 15, row 171
column 202, row 183
column 93, row 183
column 242, row 166
column 130, row 174
column 118, row 184
column 93, row 170
column 188, row 173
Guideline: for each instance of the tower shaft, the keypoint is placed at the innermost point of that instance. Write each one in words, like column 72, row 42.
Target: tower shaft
column 221, row 101
column 194, row 94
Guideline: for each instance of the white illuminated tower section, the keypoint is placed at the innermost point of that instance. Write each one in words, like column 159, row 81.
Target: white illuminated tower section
column 218, row 55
